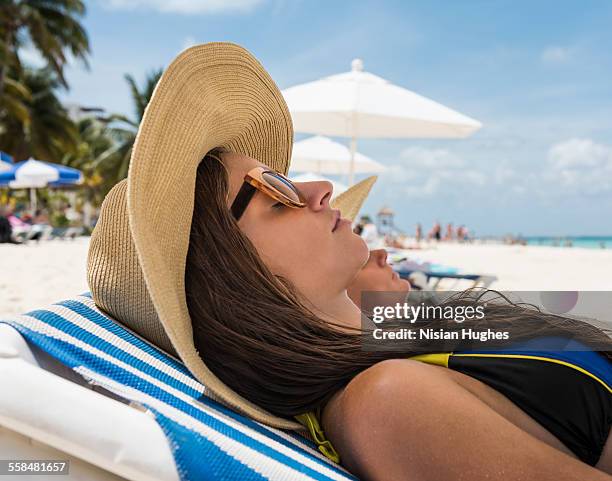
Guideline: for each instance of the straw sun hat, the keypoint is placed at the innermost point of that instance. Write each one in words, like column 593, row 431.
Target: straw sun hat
column 211, row 95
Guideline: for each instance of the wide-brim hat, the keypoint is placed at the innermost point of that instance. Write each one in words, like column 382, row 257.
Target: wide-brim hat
column 350, row 201
column 211, row 95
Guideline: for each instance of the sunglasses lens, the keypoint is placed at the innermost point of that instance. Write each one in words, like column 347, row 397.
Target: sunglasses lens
column 281, row 185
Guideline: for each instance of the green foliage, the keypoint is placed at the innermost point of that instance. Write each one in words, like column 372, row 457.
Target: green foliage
column 38, row 125
column 33, row 122
column 59, row 220
column 123, row 129
column 52, row 27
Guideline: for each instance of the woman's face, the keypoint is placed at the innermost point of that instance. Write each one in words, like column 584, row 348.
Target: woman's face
column 307, row 246
column 378, row 276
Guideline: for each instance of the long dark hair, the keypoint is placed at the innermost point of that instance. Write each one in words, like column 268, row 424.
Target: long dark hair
column 254, row 333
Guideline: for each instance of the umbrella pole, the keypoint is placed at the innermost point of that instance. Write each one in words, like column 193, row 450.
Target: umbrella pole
column 352, row 164
column 33, row 200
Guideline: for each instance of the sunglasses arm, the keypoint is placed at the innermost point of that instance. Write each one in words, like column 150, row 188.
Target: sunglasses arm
column 244, row 196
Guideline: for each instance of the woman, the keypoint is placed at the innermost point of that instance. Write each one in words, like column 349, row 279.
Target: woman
column 221, row 260
column 378, row 281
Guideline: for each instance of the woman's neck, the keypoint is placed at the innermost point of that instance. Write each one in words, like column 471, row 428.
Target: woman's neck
column 339, row 310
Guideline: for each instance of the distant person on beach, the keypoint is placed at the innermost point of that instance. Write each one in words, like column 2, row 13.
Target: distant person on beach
column 418, row 235
column 16, row 221
column 369, row 233
column 449, row 236
column 73, row 215
column 436, row 232
column 6, row 229
column 40, row 225
column 462, row 233
column 358, row 229
column 41, row 217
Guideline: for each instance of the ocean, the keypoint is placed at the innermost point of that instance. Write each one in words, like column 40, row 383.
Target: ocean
column 589, row 242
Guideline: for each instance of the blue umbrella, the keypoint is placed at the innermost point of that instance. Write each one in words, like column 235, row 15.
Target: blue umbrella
column 5, row 166
column 32, row 174
column 6, row 161
column 36, row 173
column 4, row 157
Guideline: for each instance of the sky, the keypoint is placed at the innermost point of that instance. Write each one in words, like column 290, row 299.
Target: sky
column 536, row 74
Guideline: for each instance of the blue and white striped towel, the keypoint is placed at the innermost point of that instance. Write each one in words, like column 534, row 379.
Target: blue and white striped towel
column 208, row 440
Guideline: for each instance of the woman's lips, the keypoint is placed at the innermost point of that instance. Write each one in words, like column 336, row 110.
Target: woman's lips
column 335, row 219
column 341, row 222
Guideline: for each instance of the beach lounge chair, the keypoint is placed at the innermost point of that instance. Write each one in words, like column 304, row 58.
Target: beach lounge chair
column 450, row 280
column 63, row 233
column 431, row 276
column 38, row 232
column 78, row 386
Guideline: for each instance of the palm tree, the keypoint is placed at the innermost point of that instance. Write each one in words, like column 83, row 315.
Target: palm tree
column 39, row 126
column 125, row 131
column 105, row 144
column 51, row 26
column 93, row 159
column 14, row 104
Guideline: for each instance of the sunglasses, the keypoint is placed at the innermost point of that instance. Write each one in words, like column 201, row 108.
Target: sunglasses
column 271, row 183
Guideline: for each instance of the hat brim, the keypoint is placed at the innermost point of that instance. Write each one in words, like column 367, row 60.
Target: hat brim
column 211, row 95
column 350, row 201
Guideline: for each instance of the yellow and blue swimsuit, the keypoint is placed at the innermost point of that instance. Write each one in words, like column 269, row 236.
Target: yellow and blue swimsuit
column 559, row 382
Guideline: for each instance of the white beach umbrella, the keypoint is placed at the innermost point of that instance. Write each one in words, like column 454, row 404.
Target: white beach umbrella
column 33, row 174
column 312, row 177
column 358, row 104
column 324, row 156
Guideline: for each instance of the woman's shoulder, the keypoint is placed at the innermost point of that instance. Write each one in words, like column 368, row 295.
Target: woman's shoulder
column 382, row 383
column 364, row 412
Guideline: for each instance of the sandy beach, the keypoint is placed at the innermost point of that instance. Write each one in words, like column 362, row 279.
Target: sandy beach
column 529, row 268
column 35, row 275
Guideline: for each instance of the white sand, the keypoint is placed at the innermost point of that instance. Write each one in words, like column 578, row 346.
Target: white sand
column 32, row 276
column 527, row 268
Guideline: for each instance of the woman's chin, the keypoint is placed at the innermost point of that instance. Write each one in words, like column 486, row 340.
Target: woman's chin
column 352, row 252
column 361, row 250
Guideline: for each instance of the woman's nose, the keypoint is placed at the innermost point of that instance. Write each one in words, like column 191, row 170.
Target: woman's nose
column 381, row 256
column 316, row 194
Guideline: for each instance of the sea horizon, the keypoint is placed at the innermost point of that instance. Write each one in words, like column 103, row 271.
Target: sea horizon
column 584, row 241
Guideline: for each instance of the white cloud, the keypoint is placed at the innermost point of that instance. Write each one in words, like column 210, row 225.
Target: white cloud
column 400, row 174
column 580, row 166
column 187, row 7
column 431, row 158
column 503, row 175
column 425, row 189
column 555, row 55
column 426, row 172
column 472, row 177
column 576, row 153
